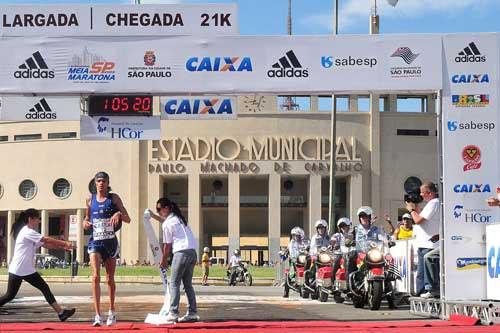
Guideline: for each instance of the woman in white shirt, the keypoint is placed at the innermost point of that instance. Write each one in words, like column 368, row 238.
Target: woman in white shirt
column 22, row 265
column 178, row 238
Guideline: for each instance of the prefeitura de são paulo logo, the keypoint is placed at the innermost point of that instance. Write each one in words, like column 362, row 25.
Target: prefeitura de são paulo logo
column 471, row 155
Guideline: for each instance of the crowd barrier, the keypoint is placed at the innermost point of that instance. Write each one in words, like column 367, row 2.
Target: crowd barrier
column 406, row 259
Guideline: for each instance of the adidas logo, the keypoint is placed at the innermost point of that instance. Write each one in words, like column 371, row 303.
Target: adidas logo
column 470, row 54
column 41, row 110
column 288, row 66
column 34, row 67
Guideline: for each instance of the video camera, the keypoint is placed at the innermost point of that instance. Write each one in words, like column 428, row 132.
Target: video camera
column 413, row 197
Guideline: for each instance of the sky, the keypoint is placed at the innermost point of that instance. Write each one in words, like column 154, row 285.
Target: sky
column 313, row 17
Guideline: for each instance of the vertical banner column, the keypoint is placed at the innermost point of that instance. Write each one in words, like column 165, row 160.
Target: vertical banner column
column 233, row 230
column 45, row 228
column 80, row 236
column 11, row 215
column 274, row 216
column 470, row 159
column 314, row 202
column 194, row 210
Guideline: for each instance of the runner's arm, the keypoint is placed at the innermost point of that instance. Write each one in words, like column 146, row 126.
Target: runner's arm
column 119, row 204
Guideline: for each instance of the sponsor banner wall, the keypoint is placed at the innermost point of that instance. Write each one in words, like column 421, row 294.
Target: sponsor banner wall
column 120, row 128
column 198, row 108
column 405, row 258
column 470, row 159
column 493, row 261
column 221, row 65
column 118, row 20
column 39, row 108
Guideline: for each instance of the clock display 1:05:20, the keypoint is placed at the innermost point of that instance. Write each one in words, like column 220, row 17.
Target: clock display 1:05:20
column 120, row 105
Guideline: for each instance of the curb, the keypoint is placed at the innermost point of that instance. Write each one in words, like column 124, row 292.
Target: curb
column 139, row 280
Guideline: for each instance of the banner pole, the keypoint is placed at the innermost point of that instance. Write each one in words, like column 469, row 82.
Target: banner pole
column 439, row 129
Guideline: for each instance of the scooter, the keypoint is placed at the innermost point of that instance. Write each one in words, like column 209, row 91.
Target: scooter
column 241, row 274
column 295, row 280
column 373, row 280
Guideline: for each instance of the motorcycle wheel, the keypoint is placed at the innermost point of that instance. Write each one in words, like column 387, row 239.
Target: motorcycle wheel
column 248, row 280
column 375, row 295
column 323, row 297
column 315, row 295
column 358, row 302
column 338, row 299
column 303, row 292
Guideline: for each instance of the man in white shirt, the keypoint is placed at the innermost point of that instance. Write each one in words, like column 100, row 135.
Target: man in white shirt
column 426, row 231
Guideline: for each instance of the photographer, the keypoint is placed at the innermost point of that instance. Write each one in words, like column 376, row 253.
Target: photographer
column 426, row 231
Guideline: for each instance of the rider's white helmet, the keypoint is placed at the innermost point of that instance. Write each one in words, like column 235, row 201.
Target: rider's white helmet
column 344, row 220
column 206, row 249
column 321, row 223
column 298, row 231
column 236, row 252
column 365, row 210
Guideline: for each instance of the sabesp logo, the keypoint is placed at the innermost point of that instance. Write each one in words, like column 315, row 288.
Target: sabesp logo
column 471, row 155
column 470, row 54
column 472, row 188
column 288, row 66
column 219, row 64
column 470, row 78
column 330, row 61
column 34, row 67
column 454, row 125
column 199, row 106
column 494, row 262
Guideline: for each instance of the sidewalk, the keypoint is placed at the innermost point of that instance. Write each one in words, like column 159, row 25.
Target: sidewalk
column 140, row 279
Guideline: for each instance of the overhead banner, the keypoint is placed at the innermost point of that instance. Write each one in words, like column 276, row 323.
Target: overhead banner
column 14, row 108
column 470, row 159
column 198, row 108
column 221, row 65
column 120, row 128
column 118, row 20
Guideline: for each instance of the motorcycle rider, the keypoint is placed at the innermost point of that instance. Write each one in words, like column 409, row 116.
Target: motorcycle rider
column 338, row 242
column 321, row 239
column 234, row 263
column 297, row 243
column 363, row 233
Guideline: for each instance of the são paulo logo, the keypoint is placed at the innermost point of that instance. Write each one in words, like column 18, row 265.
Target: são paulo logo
column 470, row 78
column 330, row 61
column 90, row 67
column 467, row 215
column 454, row 125
column 219, row 64
column 466, row 101
column 471, row 155
column 288, row 66
column 149, row 69
column 470, row 53
column 472, row 188
column 407, row 57
column 199, row 106
column 35, row 67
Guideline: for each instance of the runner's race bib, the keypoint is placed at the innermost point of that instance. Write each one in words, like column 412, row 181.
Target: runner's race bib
column 102, row 229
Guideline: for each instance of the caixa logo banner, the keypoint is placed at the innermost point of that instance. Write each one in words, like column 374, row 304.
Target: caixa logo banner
column 198, row 108
column 120, row 128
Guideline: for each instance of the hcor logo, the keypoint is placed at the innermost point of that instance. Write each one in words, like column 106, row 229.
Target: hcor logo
column 457, row 211
column 219, row 64
column 101, row 124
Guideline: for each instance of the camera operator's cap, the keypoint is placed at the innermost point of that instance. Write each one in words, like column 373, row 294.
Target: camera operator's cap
column 407, row 216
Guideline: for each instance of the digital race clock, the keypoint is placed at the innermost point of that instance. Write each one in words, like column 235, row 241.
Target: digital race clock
column 120, row 105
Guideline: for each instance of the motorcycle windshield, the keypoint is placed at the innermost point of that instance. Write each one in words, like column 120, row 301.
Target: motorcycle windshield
column 367, row 245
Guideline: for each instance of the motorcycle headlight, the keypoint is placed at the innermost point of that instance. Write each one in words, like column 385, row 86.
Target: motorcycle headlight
column 374, row 255
column 324, row 258
column 301, row 259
